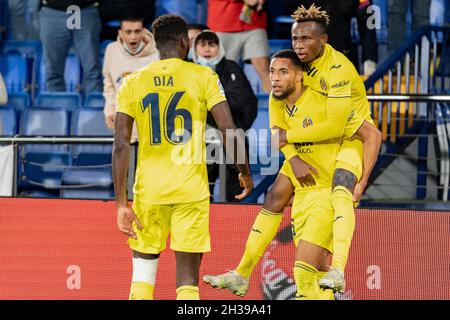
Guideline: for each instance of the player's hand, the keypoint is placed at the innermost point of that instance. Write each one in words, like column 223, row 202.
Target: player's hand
column 125, row 219
column 278, row 137
column 246, row 183
column 109, row 120
column 359, row 190
column 303, row 171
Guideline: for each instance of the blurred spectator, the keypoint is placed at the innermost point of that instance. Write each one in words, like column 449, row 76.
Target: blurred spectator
column 59, row 30
column 184, row 8
column 238, row 91
column 397, row 20
column 193, row 30
column 112, row 11
column 24, row 16
column 368, row 39
column 134, row 48
column 241, row 27
column 3, row 92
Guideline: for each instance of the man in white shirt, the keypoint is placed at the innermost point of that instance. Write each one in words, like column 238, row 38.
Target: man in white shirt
column 135, row 48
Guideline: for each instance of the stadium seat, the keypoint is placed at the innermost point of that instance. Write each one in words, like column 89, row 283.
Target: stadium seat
column 44, row 121
column 19, row 100
column 14, row 70
column 90, row 122
column 263, row 100
column 8, row 122
column 29, row 48
column 72, row 74
column 43, row 169
column 93, row 183
column 253, row 78
column 68, row 100
column 41, row 165
column 276, row 45
column 86, row 194
column 103, row 46
column 95, row 99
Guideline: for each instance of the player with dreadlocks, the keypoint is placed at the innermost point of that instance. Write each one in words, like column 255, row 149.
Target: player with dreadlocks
column 329, row 72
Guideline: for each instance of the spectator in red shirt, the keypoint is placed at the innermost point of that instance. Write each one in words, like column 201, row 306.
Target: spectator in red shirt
column 241, row 28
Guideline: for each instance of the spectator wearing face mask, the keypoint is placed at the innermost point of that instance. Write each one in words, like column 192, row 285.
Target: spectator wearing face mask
column 135, row 48
column 193, row 30
column 238, row 91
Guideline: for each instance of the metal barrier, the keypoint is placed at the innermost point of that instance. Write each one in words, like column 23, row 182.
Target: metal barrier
column 437, row 126
column 18, row 140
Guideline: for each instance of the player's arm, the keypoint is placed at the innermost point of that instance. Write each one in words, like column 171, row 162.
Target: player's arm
column 222, row 116
column 120, row 157
column 371, row 138
column 338, row 109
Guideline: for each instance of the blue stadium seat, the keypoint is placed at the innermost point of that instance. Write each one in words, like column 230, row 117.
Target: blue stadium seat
column 8, row 121
column 68, row 100
column 90, row 122
column 95, row 99
column 19, row 100
column 263, row 100
column 29, row 48
column 72, row 74
column 42, row 165
column 93, row 183
column 253, row 78
column 276, row 45
column 14, row 70
column 103, row 46
column 44, row 121
column 43, row 169
column 86, row 194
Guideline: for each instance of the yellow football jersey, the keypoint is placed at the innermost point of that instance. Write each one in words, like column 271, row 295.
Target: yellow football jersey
column 169, row 100
column 308, row 111
column 334, row 76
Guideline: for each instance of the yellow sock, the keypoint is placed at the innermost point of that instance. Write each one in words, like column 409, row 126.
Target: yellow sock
column 188, row 293
column 324, row 294
column 305, row 276
column 141, row 291
column 263, row 231
column 343, row 227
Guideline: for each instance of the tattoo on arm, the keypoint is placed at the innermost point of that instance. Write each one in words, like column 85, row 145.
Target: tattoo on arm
column 344, row 178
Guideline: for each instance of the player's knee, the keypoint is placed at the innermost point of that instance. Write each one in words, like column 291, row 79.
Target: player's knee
column 344, row 179
column 147, row 256
column 273, row 202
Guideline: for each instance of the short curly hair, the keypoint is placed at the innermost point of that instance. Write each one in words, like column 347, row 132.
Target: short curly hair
column 169, row 28
column 313, row 13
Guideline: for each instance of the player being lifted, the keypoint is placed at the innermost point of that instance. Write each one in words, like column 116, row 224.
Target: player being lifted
column 330, row 73
column 169, row 100
column 293, row 105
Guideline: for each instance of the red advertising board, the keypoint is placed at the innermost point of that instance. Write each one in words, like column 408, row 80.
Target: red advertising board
column 71, row 249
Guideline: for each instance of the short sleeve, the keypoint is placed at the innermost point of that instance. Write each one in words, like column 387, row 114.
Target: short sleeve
column 125, row 102
column 354, row 122
column 340, row 81
column 214, row 92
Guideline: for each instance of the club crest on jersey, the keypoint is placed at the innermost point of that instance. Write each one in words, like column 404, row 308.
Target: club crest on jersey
column 307, row 122
column 219, row 84
column 323, row 85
